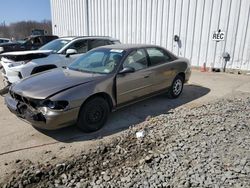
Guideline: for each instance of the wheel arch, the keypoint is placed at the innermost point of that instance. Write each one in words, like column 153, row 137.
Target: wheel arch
column 182, row 74
column 102, row 95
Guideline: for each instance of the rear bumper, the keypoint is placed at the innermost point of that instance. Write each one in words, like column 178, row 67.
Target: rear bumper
column 50, row 120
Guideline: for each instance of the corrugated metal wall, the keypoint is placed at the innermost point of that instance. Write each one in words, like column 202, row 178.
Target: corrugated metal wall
column 157, row 21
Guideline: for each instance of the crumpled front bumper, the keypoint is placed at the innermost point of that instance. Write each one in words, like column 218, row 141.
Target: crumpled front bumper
column 51, row 120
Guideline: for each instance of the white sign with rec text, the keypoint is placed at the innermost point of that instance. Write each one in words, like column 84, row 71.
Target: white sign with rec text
column 218, row 36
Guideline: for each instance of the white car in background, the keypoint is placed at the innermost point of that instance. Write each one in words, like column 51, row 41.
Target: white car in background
column 57, row 53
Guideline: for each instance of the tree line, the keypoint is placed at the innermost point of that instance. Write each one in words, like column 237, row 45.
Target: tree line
column 21, row 30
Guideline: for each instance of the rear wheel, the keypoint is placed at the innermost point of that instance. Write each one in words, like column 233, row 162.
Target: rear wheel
column 93, row 115
column 176, row 87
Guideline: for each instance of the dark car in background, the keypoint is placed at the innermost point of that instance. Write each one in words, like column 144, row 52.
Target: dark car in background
column 4, row 40
column 31, row 43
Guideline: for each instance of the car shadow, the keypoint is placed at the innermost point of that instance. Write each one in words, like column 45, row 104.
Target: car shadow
column 130, row 115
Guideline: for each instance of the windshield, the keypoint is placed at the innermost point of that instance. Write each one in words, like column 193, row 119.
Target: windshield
column 55, row 45
column 102, row 61
column 21, row 41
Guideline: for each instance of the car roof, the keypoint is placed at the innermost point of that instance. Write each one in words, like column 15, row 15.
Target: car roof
column 128, row 46
column 87, row 37
column 32, row 36
column 4, row 39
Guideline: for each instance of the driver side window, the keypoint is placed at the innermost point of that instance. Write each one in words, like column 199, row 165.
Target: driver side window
column 136, row 59
column 81, row 46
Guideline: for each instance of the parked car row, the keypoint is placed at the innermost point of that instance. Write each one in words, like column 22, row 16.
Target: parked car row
column 31, row 43
column 83, row 91
column 57, row 53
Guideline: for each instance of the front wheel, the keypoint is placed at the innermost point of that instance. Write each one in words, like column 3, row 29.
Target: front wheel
column 176, row 87
column 93, row 115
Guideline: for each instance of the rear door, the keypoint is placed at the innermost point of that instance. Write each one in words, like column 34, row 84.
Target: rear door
column 161, row 67
column 132, row 86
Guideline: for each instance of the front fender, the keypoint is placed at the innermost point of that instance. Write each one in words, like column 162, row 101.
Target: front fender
column 77, row 95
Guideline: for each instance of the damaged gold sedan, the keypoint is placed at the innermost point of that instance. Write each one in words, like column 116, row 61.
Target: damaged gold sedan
column 102, row 80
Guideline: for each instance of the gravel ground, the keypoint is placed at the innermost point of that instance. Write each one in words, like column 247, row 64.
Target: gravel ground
column 207, row 146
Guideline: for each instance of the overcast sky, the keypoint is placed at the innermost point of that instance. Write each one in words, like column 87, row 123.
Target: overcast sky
column 23, row 10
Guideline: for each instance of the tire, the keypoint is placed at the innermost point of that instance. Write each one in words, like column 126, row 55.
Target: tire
column 176, row 87
column 93, row 115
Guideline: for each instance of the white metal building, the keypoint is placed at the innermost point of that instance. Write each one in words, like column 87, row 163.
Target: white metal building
column 206, row 28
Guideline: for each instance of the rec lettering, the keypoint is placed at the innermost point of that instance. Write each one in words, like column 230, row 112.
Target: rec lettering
column 218, row 36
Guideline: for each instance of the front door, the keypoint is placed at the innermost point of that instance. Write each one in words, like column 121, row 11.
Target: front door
column 132, row 86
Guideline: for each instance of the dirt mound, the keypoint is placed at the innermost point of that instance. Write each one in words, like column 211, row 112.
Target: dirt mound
column 208, row 146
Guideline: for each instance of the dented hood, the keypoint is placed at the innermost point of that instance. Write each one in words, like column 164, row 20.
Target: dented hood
column 46, row 84
column 26, row 55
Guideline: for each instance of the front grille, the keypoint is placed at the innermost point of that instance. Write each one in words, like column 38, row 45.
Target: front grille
column 24, row 109
column 18, row 97
column 28, row 101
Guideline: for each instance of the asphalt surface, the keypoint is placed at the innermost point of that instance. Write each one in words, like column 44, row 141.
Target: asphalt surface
column 21, row 141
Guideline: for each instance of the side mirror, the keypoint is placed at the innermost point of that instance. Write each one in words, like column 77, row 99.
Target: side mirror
column 127, row 70
column 70, row 52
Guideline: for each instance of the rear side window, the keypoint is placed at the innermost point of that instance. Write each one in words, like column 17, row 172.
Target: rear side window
column 3, row 41
column 94, row 43
column 36, row 41
column 114, row 42
column 49, row 38
column 157, row 56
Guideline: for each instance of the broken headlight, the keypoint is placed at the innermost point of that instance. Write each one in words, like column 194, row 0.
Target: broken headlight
column 56, row 105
